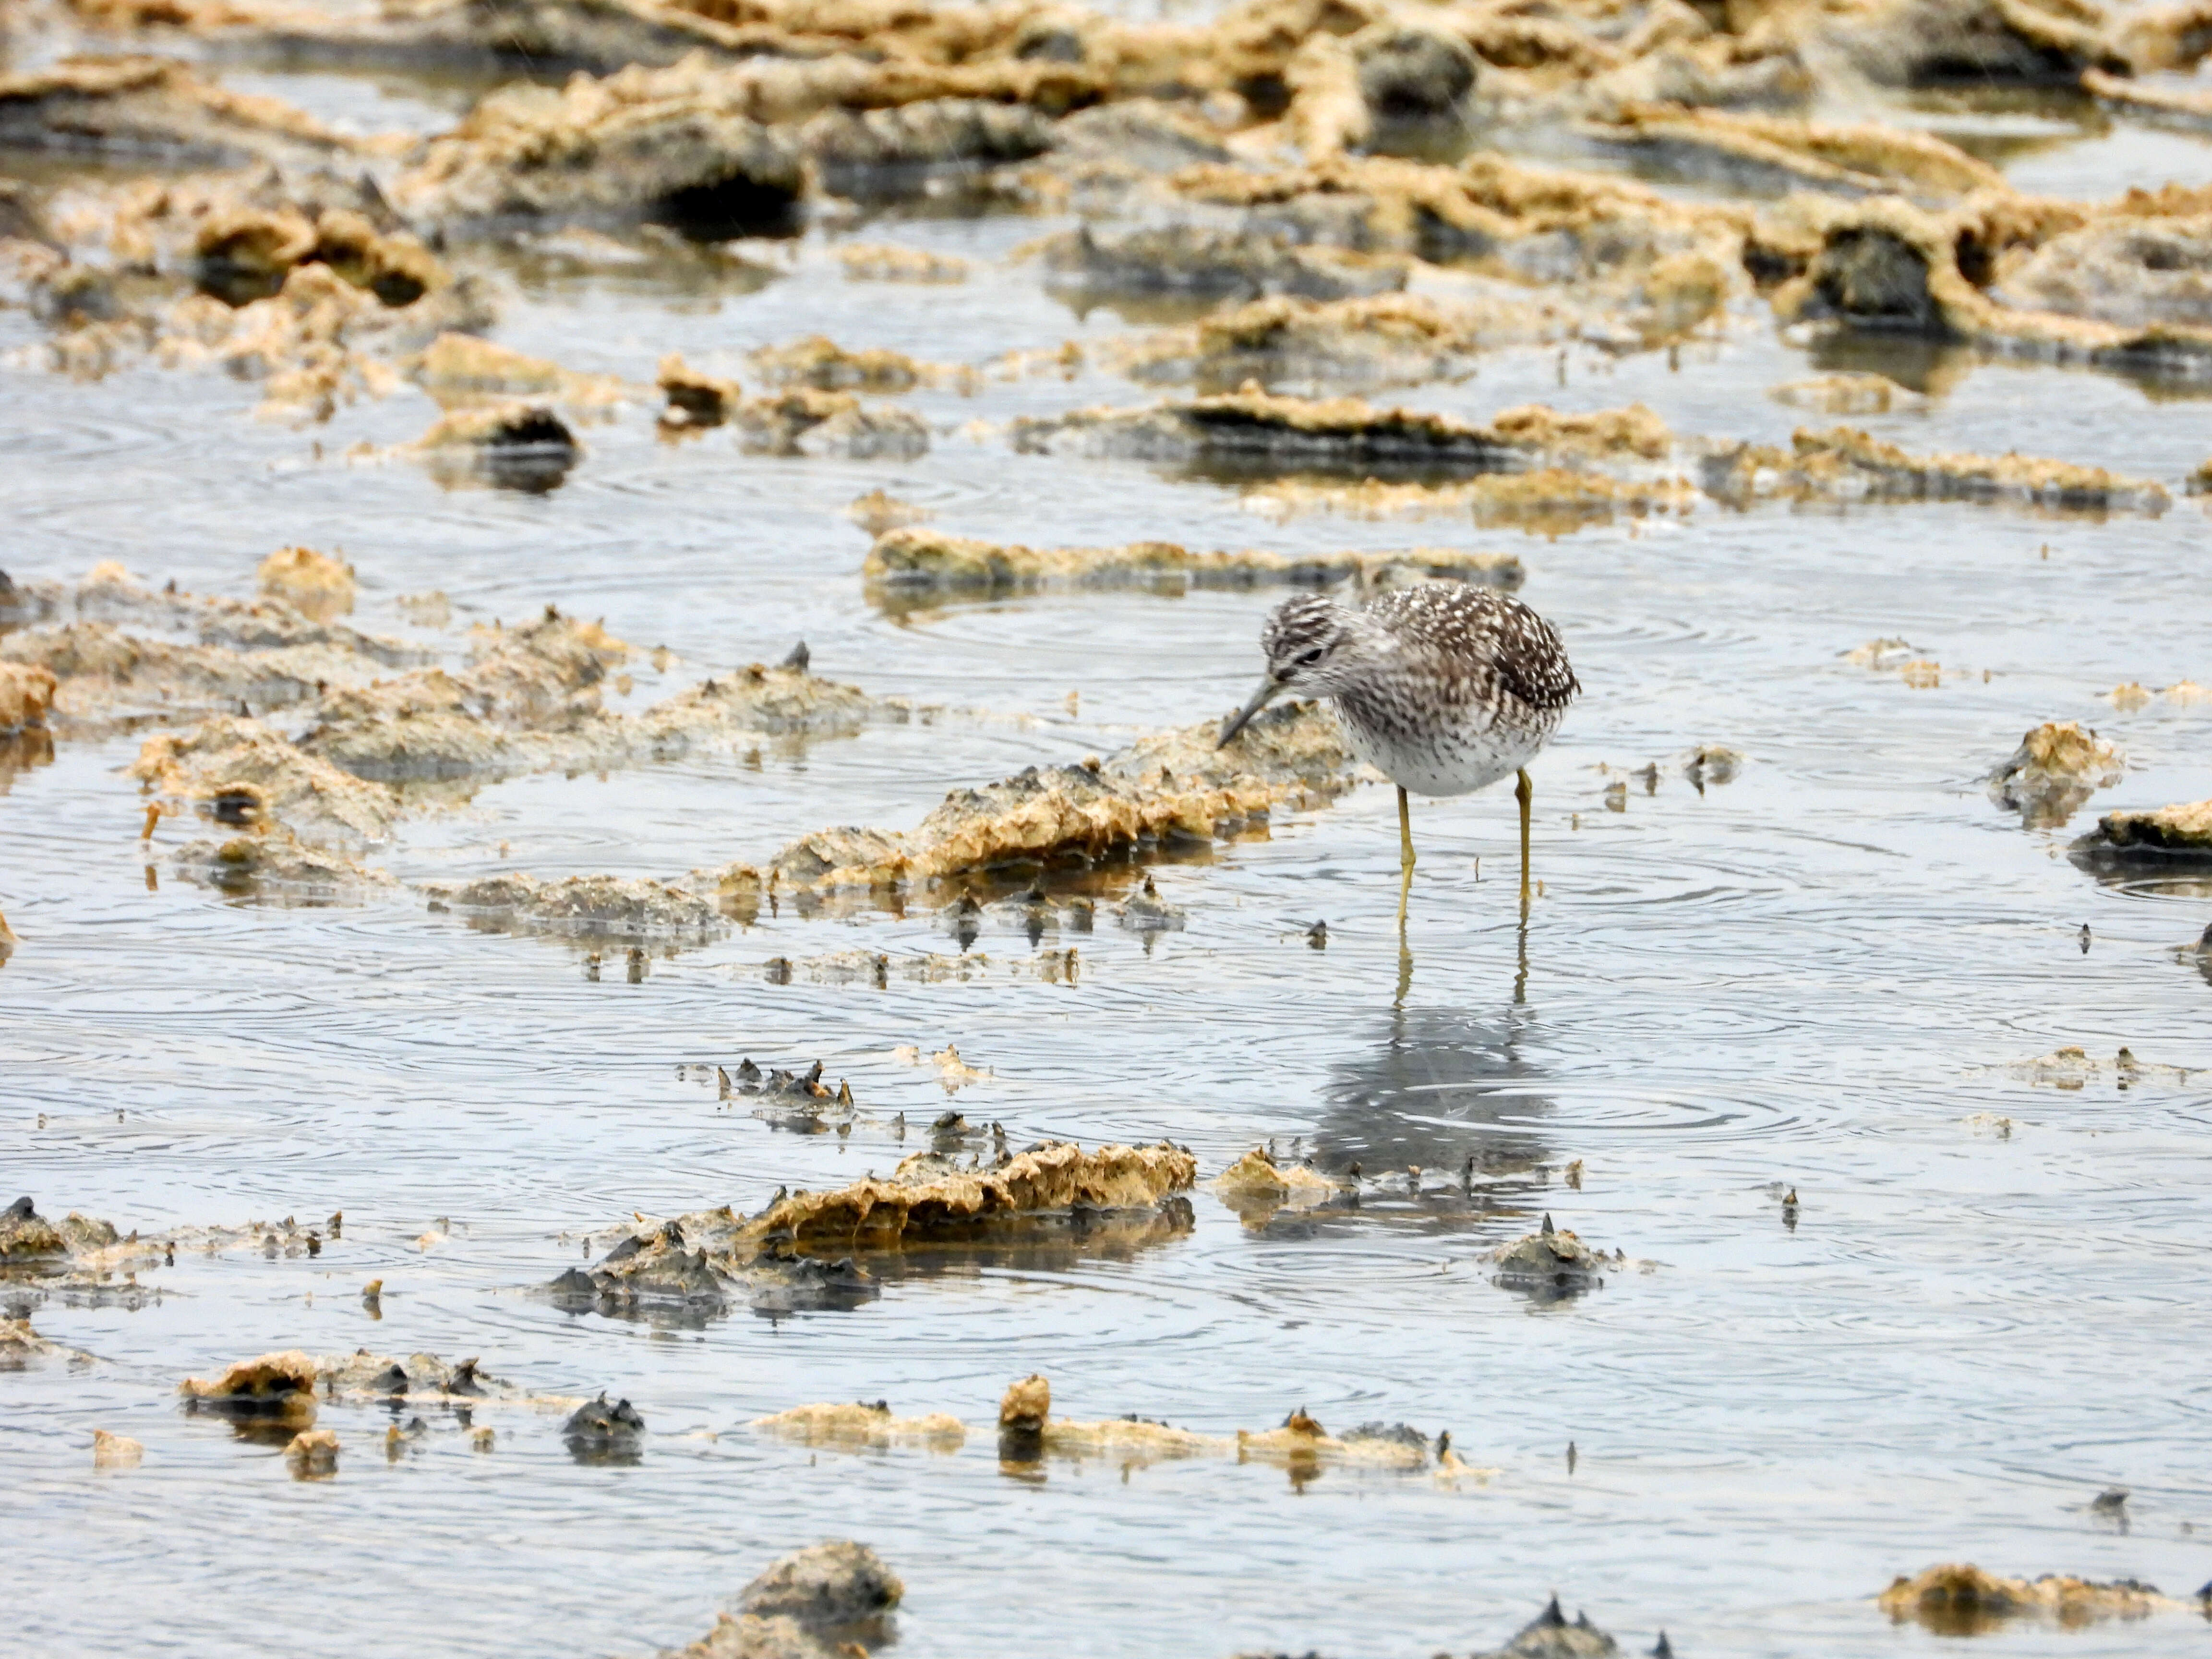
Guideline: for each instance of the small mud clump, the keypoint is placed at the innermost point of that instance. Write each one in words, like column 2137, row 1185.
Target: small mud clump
column 828, row 1601
column 1552, row 1263
column 1962, row 1600
column 523, row 447
column 834, row 1584
column 598, row 1432
column 280, row 1386
column 1550, row 1636
column 2150, row 837
column 2057, row 766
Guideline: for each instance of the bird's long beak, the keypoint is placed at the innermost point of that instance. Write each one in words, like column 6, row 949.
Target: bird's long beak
column 1269, row 690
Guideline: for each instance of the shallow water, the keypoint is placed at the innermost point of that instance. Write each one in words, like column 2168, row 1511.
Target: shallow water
column 1810, row 977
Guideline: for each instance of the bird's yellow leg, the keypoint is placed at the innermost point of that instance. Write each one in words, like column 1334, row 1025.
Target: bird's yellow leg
column 1524, row 792
column 1405, row 852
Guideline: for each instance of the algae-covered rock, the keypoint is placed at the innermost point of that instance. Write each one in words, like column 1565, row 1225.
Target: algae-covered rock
column 1848, row 394
column 1289, row 343
column 2182, row 110
column 27, row 696
column 313, row 1454
column 512, row 445
column 1550, row 1636
column 1302, row 1442
column 2149, row 836
column 1766, row 153
column 631, row 146
column 26, row 1236
column 803, row 421
column 2100, row 299
column 1489, row 214
column 2057, row 766
column 924, row 1201
column 279, row 1385
column 877, row 152
column 825, row 1586
column 318, row 587
column 273, row 861
column 246, row 773
column 1551, row 1262
column 1962, row 1600
column 597, row 1432
column 818, row 362
column 799, row 1251
column 1257, row 1183
column 244, row 252
column 695, row 398
column 461, row 371
column 2134, row 271
column 116, row 1451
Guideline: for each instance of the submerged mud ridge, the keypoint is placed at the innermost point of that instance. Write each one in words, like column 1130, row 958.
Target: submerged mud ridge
column 913, row 562
column 1026, row 1431
column 87, row 1258
column 1581, row 464
column 1290, row 433
column 804, row 1249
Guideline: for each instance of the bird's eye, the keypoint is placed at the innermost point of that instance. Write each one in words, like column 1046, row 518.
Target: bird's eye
column 1308, row 658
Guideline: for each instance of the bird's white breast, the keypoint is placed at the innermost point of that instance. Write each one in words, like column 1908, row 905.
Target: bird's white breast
column 1469, row 754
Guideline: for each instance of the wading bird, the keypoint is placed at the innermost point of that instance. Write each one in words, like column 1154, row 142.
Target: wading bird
column 1443, row 687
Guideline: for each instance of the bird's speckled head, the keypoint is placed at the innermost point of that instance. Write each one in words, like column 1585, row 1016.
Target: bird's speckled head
column 1313, row 645
column 1316, row 647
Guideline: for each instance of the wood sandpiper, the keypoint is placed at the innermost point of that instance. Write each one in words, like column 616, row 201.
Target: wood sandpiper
column 1443, row 687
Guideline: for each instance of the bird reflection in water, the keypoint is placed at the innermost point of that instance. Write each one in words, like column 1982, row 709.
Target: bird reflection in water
column 1429, row 1128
